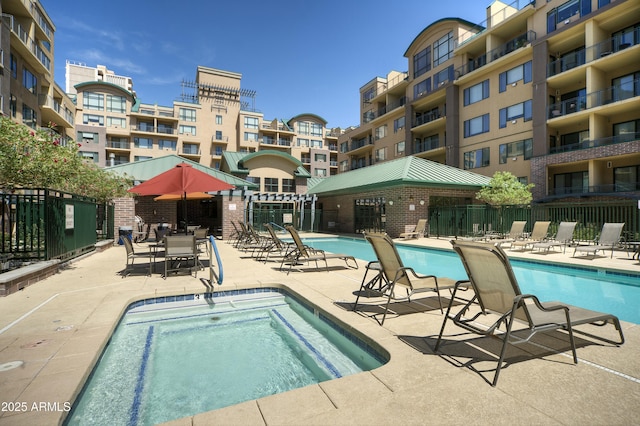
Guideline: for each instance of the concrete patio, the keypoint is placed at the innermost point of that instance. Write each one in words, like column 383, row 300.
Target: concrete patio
column 58, row 327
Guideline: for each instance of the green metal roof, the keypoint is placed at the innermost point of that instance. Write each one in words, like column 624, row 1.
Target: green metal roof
column 234, row 161
column 146, row 169
column 409, row 170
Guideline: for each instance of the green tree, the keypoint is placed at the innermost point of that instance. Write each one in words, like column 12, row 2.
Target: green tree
column 504, row 189
column 40, row 159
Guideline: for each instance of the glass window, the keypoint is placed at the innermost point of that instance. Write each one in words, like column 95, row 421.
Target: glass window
column 187, row 114
column 422, row 62
column 14, row 66
column 381, row 132
column 218, row 135
column 627, row 131
column 627, row 178
column 476, row 93
column 398, row 124
column 442, row 77
column 187, row 130
column 167, row 144
column 315, row 143
column 303, row 128
column 422, row 88
column 116, row 104
column 251, row 122
column 93, row 101
column 144, row 143
column 476, row 125
column 120, row 122
column 90, row 156
column 30, row 81
column 626, row 87
column 250, row 137
column 316, row 129
column 515, row 149
column 571, row 183
column 29, row 117
column 320, row 172
column 218, row 119
column 271, row 184
column 568, row 9
column 288, row 185
column 368, row 95
column 88, row 137
column 400, row 149
column 476, row 158
column 512, row 76
column 141, row 157
column 443, row 49
column 191, row 148
column 93, row 119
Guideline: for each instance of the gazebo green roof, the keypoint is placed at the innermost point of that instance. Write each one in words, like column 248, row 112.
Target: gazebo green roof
column 146, row 169
column 409, row 170
column 235, row 160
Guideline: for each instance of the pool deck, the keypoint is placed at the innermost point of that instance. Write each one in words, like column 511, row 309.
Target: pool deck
column 58, row 327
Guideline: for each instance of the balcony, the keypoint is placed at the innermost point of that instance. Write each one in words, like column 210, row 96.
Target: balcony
column 193, row 150
column 599, row 98
column 586, row 144
column 592, row 53
column 595, row 189
column 495, row 54
column 28, row 47
column 428, row 117
column 54, row 111
column 426, row 145
column 360, row 143
column 118, row 145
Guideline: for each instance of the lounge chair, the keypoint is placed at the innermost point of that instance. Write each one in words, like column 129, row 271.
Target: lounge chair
column 304, row 253
column 538, row 233
column 417, row 232
column 179, row 249
column 609, row 238
column 516, row 233
column 497, row 292
column 563, row 237
column 277, row 247
column 132, row 255
column 393, row 273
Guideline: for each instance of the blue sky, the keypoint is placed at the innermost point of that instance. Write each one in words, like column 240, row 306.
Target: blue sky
column 299, row 56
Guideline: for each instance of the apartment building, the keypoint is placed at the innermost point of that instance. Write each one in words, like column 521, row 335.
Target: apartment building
column 28, row 92
column 547, row 90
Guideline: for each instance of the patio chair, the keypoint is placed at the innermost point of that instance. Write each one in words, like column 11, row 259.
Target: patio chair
column 132, row 255
column 417, row 232
column 609, row 238
column 277, row 247
column 497, row 292
column 179, row 250
column 304, row 253
column 394, row 274
column 563, row 237
column 516, row 233
column 538, row 233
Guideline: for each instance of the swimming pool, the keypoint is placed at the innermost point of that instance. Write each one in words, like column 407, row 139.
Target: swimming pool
column 596, row 289
column 177, row 356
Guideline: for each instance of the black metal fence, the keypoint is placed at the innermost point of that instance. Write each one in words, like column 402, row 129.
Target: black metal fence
column 470, row 220
column 44, row 224
column 305, row 220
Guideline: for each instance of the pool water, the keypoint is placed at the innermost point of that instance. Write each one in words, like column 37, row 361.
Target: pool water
column 596, row 289
column 181, row 357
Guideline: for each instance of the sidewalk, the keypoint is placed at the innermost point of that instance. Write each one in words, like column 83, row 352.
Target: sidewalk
column 56, row 329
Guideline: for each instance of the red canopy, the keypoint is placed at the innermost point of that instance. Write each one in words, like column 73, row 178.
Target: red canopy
column 180, row 180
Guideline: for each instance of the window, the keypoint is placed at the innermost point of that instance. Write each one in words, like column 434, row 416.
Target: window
column 90, row 156
column 476, row 159
column 316, row 129
column 422, row 88
column 422, row 62
column 93, row 101
column 187, row 130
column 476, row 125
column 368, row 95
column 303, row 128
column 398, row 124
column 344, row 166
column 187, row 114
column 516, row 149
column 218, row 119
column 251, row 122
column 146, row 126
column 250, row 137
column 476, row 93
column 512, row 76
column 627, row 37
column 627, row 131
column 344, row 147
column 626, row 87
column 14, row 66
column 315, row 143
column 443, row 49
column 571, row 183
column 144, row 143
column 574, row 140
column 254, row 179
column 381, row 132
column 13, row 106
column 320, row 172
column 320, row 157
column 302, row 142
column 514, row 112
column 443, row 77
column 191, row 148
column 87, row 137
column 626, row 178
column 141, row 157
column 168, row 145
column 271, row 184
column 565, row 11
column 400, row 149
column 116, row 104
column 29, row 117
column 120, row 122
column 30, row 81
column 381, row 154
column 426, row 144
column 93, row 119
column 218, row 135
column 288, row 185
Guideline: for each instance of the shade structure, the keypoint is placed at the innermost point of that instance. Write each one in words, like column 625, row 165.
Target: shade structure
column 189, row 196
column 180, row 181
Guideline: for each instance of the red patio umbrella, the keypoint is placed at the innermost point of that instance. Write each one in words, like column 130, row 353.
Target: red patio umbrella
column 180, row 181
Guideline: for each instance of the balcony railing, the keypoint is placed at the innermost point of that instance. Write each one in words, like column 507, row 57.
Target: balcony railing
column 586, row 144
column 595, row 99
column 390, row 107
column 428, row 117
column 495, row 54
column 592, row 53
column 57, row 107
column 356, row 144
column 191, row 150
column 597, row 189
column 118, row 145
column 31, row 44
column 426, row 145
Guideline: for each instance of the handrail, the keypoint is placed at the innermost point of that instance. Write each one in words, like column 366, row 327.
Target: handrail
column 212, row 273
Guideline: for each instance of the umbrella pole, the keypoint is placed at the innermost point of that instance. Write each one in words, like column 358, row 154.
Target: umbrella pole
column 184, row 208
